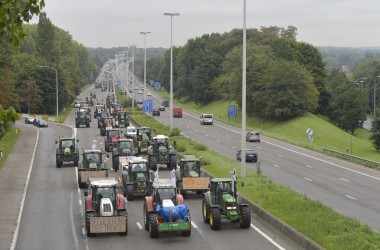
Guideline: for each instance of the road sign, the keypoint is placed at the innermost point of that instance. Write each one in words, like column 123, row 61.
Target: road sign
column 309, row 131
column 232, row 110
column 152, row 83
column 311, row 139
column 148, row 106
column 157, row 85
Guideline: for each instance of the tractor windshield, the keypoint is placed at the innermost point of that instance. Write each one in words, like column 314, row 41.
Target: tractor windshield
column 166, row 193
column 93, row 157
column 125, row 144
column 106, row 192
column 67, row 143
column 113, row 133
column 161, row 142
column 139, row 167
column 225, row 187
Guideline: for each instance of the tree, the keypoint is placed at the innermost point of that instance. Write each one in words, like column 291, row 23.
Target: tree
column 7, row 120
column 45, row 40
column 14, row 13
column 32, row 95
column 375, row 136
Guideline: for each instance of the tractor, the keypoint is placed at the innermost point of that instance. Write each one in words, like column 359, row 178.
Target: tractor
column 222, row 202
column 135, row 177
column 111, row 138
column 122, row 119
column 124, row 147
column 106, row 124
column 91, row 166
column 160, row 152
column 66, row 151
column 165, row 211
column 189, row 176
column 105, row 208
column 143, row 138
column 82, row 118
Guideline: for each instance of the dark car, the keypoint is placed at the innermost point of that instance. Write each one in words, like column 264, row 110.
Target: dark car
column 29, row 120
column 42, row 123
column 36, row 122
column 253, row 136
column 165, row 103
column 156, row 112
column 250, row 155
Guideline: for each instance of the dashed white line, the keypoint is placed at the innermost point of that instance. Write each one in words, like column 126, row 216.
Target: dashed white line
column 227, row 136
column 259, row 148
column 234, row 147
column 196, row 131
column 139, row 225
column 281, row 156
column 308, row 166
column 277, row 166
column 218, row 140
column 344, row 180
column 308, row 179
column 267, row 237
column 352, row 198
column 206, row 135
column 194, row 225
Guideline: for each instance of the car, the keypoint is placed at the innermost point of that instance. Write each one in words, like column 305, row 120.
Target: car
column 29, row 120
column 149, row 94
column 42, row 123
column 250, row 155
column 130, row 90
column 165, row 103
column 206, row 119
column 139, row 102
column 140, row 92
column 156, row 112
column 77, row 104
column 142, row 87
column 36, row 122
column 253, row 136
column 136, row 88
column 161, row 108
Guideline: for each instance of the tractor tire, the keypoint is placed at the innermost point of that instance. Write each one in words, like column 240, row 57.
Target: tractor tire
column 76, row 162
column 80, row 183
column 77, row 124
column 87, row 124
column 115, row 163
column 172, row 162
column 184, row 193
column 153, row 162
column 58, row 160
column 129, row 192
column 153, row 226
column 125, row 214
column 88, row 216
column 215, row 218
column 245, row 217
column 102, row 132
column 205, row 211
column 107, row 147
column 146, row 217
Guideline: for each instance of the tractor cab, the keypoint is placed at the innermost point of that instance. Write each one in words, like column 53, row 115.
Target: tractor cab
column 92, row 159
column 164, row 193
column 223, row 190
column 103, row 194
column 190, row 166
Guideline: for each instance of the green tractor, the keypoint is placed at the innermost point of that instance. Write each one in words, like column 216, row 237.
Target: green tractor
column 222, row 202
column 143, row 139
column 123, row 147
column 122, row 119
column 82, row 118
column 160, row 152
column 189, row 176
column 66, row 151
column 92, row 166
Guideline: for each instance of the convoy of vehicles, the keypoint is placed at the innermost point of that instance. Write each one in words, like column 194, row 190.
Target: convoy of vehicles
column 160, row 152
column 93, row 165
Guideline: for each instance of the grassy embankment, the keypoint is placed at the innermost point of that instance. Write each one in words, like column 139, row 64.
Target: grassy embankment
column 7, row 143
column 320, row 223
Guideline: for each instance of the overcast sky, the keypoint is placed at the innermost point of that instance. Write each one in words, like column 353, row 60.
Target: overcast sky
column 113, row 23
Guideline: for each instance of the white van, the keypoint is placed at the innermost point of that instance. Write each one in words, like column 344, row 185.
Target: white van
column 130, row 132
column 206, row 119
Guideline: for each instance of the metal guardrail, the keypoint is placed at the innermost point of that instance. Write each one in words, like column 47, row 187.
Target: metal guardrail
column 353, row 158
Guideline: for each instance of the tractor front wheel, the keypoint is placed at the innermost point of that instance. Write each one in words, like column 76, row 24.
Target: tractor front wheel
column 245, row 217
column 88, row 225
column 153, row 226
column 153, row 162
column 59, row 161
column 172, row 162
column 215, row 218
column 205, row 211
column 129, row 192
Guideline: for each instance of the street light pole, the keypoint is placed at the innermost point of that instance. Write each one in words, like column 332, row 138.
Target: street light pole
column 133, row 74
column 244, row 87
column 145, row 33
column 171, row 67
column 56, row 83
column 374, row 97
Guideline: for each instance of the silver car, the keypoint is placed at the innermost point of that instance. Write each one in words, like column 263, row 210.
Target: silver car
column 253, row 136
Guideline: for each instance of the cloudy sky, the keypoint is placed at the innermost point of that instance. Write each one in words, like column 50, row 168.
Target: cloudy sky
column 113, row 23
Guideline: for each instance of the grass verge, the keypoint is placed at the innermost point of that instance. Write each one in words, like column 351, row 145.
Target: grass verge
column 315, row 220
column 64, row 113
column 7, row 143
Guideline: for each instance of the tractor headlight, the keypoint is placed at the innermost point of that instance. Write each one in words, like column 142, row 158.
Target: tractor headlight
column 231, row 208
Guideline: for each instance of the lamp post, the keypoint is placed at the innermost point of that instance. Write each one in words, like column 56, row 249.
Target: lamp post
column 374, row 97
column 145, row 33
column 133, row 74
column 171, row 67
column 244, row 89
column 56, row 83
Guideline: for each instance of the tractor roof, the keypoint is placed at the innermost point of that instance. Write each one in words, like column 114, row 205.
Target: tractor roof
column 221, row 179
column 91, row 151
column 189, row 158
column 164, row 183
column 160, row 137
column 103, row 182
column 125, row 139
column 66, row 139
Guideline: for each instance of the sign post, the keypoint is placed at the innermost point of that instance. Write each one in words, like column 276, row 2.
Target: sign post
column 232, row 111
column 309, row 133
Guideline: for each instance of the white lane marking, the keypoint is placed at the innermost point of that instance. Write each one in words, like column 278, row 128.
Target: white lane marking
column 259, row 148
column 194, row 225
column 344, row 180
column 352, row 198
column 196, row 131
column 281, row 156
column 139, row 225
column 308, row 179
column 72, row 222
column 234, row 147
column 227, row 136
column 308, row 166
column 206, row 135
column 267, row 237
column 17, row 228
column 218, row 140
column 276, row 166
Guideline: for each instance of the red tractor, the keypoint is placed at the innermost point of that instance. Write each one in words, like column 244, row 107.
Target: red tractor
column 111, row 139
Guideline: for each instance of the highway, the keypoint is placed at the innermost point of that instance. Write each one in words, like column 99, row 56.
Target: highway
column 348, row 188
column 53, row 212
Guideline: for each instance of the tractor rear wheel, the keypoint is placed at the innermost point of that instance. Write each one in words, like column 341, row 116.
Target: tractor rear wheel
column 215, row 218
column 205, row 211
column 129, row 192
column 59, row 162
column 172, row 162
column 88, row 217
column 124, row 213
column 245, row 217
column 146, row 217
column 76, row 162
column 153, row 226
column 153, row 162
column 107, row 147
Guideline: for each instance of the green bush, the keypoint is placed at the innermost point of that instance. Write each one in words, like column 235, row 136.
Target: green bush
column 200, row 147
column 175, row 132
